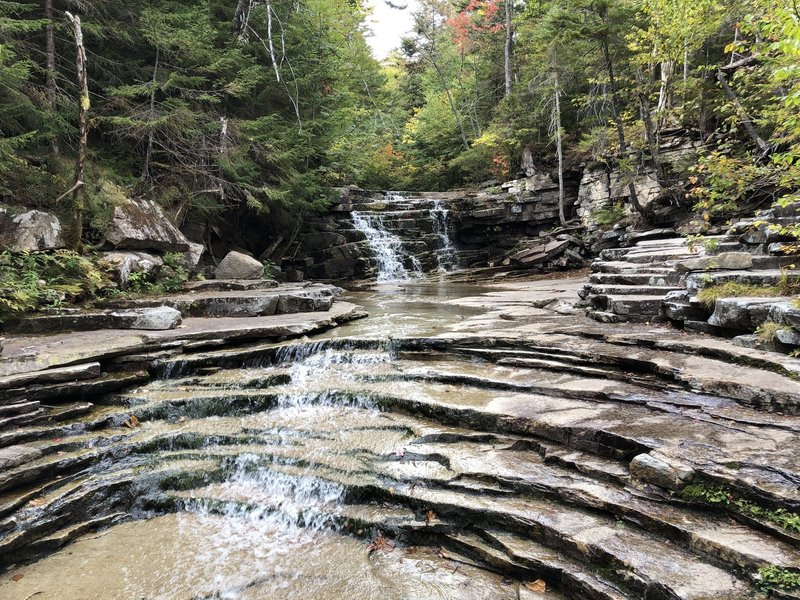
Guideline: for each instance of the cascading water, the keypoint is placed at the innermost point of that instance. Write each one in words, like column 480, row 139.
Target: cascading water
column 446, row 256
column 386, row 247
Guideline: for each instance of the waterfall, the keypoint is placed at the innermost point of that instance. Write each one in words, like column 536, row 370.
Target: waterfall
column 407, row 236
column 446, row 256
column 386, row 247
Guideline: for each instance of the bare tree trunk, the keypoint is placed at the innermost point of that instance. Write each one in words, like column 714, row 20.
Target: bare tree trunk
column 559, row 150
column 50, row 59
column 745, row 118
column 509, row 40
column 271, row 45
column 238, row 22
column 665, row 92
column 623, row 145
column 84, row 104
column 649, row 131
column 149, row 152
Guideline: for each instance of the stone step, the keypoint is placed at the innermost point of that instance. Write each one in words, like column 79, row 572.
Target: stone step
column 553, row 365
column 622, row 267
column 152, row 318
column 735, row 545
column 629, row 290
column 628, row 305
column 620, row 278
column 87, row 388
column 651, row 567
column 245, row 304
column 229, row 285
column 58, row 375
column 511, row 553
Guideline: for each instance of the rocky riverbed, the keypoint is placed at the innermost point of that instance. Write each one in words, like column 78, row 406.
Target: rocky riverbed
column 460, row 442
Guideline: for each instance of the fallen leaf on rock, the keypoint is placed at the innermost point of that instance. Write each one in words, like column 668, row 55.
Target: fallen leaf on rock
column 445, row 554
column 381, row 544
column 131, row 422
column 537, row 586
column 17, row 577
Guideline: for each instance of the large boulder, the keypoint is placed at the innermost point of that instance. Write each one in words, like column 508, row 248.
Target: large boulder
column 142, row 225
column 124, row 264
column 239, row 266
column 32, row 230
column 731, row 261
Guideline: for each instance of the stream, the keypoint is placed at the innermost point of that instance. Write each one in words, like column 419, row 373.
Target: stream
column 462, row 442
column 273, row 498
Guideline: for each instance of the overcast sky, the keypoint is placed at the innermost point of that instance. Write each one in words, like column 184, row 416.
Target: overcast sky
column 389, row 25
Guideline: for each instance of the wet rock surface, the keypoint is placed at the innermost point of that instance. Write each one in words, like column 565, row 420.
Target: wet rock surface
column 494, row 425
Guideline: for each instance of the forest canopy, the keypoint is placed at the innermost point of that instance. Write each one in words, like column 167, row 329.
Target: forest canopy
column 258, row 108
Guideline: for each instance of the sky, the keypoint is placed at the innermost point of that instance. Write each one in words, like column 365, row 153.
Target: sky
column 389, row 25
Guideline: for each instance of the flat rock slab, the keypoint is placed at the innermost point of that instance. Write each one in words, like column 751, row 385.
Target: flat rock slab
column 147, row 318
column 230, row 285
column 25, row 354
column 254, row 302
column 64, row 374
column 14, row 456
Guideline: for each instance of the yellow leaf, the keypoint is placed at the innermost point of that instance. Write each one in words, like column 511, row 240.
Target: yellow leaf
column 538, row 586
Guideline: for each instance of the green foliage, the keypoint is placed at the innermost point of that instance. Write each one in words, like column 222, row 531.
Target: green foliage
column 270, row 269
column 773, row 577
column 722, row 181
column 170, row 278
column 609, row 215
column 33, row 281
column 732, row 289
column 767, row 331
column 709, row 493
column 710, row 245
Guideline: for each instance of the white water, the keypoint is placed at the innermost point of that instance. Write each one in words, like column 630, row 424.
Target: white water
column 446, row 256
column 387, row 248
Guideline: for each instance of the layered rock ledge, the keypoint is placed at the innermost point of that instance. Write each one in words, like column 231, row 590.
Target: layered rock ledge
column 527, row 439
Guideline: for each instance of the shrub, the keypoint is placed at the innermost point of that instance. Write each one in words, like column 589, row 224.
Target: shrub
column 608, row 215
column 33, row 281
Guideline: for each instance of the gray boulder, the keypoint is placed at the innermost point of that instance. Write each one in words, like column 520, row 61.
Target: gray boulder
column 142, row 225
column 30, row 231
column 741, row 314
column 123, row 264
column 239, row 266
column 725, row 261
column 662, row 471
column 788, row 336
column 155, row 319
column 192, row 256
